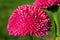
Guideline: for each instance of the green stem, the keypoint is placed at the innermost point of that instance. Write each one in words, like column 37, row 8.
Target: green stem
column 57, row 26
column 31, row 38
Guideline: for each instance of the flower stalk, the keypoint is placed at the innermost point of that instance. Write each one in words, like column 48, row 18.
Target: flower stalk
column 57, row 26
column 31, row 37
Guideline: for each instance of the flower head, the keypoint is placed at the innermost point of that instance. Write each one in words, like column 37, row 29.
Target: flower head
column 28, row 19
column 44, row 3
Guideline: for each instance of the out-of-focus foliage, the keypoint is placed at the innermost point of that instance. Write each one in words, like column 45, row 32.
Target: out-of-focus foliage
column 6, row 8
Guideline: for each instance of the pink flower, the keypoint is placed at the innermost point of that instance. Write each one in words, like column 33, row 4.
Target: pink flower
column 44, row 3
column 28, row 19
column 58, row 3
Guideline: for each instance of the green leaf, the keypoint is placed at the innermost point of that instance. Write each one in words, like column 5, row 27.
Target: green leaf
column 58, row 17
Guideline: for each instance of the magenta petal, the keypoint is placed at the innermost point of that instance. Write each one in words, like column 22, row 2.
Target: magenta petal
column 44, row 3
column 58, row 2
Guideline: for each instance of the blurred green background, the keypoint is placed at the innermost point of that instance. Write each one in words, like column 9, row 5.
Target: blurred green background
column 6, row 8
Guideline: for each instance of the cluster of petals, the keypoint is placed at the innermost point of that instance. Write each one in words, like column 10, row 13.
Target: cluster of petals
column 46, row 3
column 28, row 19
column 58, row 3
